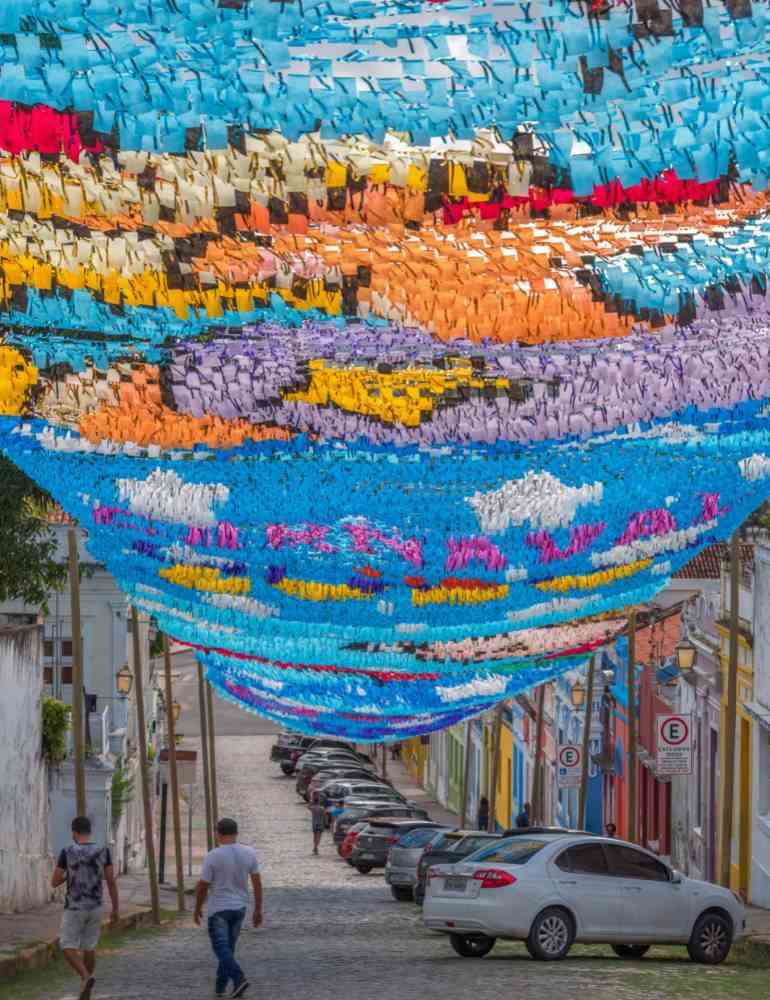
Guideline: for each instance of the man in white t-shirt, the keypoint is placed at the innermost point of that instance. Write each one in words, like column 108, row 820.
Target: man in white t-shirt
column 225, row 877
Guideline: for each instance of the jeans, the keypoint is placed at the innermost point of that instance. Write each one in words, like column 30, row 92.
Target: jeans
column 224, row 928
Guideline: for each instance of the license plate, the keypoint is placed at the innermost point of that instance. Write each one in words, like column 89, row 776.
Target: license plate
column 366, row 857
column 453, row 884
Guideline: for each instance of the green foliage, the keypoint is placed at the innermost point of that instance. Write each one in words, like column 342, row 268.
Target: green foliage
column 122, row 792
column 56, row 722
column 28, row 569
column 156, row 644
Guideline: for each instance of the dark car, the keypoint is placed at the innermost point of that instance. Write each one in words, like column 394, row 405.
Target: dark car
column 282, row 750
column 342, row 773
column 290, row 746
column 336, row 792
column 453, row 846
column 311, row 764
column 376, row 839
column 357, row 810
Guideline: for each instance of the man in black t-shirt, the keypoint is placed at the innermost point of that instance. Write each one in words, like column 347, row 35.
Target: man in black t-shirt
column 84, row 866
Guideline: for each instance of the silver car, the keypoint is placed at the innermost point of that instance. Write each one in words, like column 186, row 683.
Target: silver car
column 404, row 857
column 552, row 890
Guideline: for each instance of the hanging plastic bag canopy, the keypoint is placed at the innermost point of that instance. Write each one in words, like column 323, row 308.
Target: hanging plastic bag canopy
column 387, row 353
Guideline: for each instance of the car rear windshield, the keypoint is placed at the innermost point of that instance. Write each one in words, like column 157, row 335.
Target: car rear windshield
column 509, row 852
column 448, row 842
column 470, row 844
column 417, row 838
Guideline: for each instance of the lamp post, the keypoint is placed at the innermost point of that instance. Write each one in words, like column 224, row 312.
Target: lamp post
column 685, row 654
column 124, row 681
column 588, row 698
column 578, row 694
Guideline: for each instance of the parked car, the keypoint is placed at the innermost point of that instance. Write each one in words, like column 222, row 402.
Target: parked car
column 357, row 810
column 404, row 857
column 453, row 845
column 345, row 849
column 282, row 750
column 338, row 787
column 341, row 773
column 552, row 890
column 311, row 764
column 288, row 744
column 336, row 794
column 376, row 839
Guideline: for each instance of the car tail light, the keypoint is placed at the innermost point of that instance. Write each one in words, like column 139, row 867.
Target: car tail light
column 494, row 878
column 392, row 840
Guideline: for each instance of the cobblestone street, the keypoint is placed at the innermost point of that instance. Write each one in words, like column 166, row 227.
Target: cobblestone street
column 332, row 933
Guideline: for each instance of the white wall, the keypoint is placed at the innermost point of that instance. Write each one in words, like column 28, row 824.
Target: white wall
column 25, row 866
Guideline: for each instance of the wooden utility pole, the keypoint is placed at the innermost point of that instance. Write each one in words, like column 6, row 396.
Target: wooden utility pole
column 538, row 798
column 632, row 754
column 144, row 767
column 496, row 727
column 173, row 774
column 588, row 718
column 212, row 756
column 726, row 832
column 77, row 674
column 466, row 775
column 205, row 754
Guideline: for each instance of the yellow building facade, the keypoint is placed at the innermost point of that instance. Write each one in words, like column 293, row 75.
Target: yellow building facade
column 740, row 864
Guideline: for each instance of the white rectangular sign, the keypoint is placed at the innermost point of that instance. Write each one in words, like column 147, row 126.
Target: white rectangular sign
column 674, row 744
column 569, row 765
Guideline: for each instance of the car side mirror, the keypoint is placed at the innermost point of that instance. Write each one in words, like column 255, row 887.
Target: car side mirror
column 676, row 877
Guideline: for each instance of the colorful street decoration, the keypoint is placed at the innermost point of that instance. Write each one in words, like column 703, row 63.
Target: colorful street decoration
column 387, row 352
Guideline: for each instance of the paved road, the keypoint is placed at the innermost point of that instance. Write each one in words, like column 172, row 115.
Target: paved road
column 332, row 934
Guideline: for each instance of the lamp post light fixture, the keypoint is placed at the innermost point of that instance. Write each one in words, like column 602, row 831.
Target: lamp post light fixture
column 685, row 654
column 176, row 710
column 578, row 694
column 125, row 681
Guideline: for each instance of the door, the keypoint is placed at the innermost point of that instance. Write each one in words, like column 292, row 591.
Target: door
column 653, row 908
column 582, row 878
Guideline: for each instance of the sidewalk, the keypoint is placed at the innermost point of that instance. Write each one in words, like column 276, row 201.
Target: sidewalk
column 403, row 781
column 29, row 940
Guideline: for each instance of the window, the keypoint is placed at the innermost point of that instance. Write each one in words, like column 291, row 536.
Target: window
column 48, row 648
column 629, row 863
column 516, row 851
column 563, row 861
column 448, row 842
column 471, row 844
column 66, row 648
column 587, row 859
column 417, row 838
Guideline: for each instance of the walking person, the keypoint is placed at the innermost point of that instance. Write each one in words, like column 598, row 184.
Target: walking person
column 522, row 820
column 483, row 813
column 224, row 886
column 318, row 817
column 84, row 866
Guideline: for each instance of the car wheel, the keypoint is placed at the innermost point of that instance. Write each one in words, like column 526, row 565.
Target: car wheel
column 711, row 939
column 401, row 893
column 550, row 937
column 630, row 950
column 472, row 945
column 287, row 769
column 364, row 869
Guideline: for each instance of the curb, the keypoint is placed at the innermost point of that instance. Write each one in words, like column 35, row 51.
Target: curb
column 37, row 956
column 752, row 950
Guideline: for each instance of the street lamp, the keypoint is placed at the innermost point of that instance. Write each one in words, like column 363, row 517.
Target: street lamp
column 125, row 681
column 176, row 709
column 686, row 654
column 578, row 694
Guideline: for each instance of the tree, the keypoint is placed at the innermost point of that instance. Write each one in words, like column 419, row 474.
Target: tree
column 28, row 567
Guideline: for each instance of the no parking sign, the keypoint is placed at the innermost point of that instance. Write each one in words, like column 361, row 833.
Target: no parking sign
column 674, row 744
column 569, row 765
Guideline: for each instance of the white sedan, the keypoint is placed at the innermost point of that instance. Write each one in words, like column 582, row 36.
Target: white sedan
column 552, row 890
